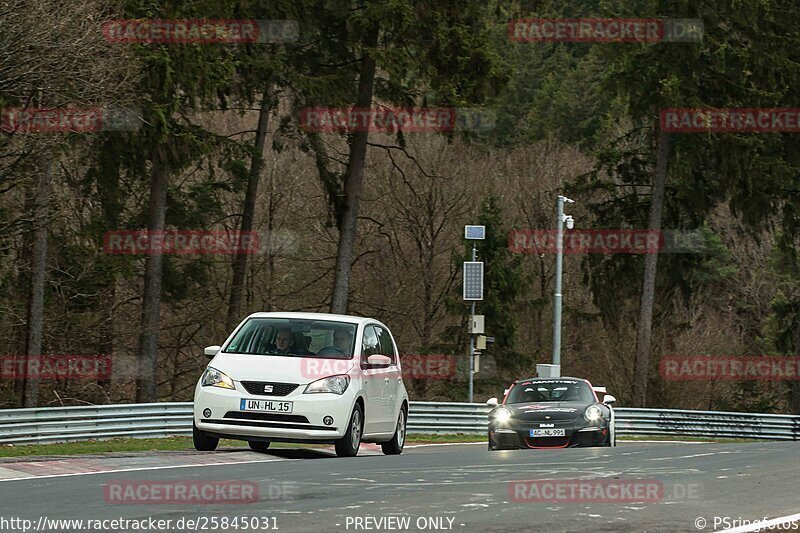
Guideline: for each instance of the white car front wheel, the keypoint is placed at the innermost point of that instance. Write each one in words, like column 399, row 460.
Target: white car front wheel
column 202, row 441
column 348, row 445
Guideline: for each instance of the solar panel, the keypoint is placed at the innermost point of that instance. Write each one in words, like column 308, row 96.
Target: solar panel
column 474, row 232
column 473, row 280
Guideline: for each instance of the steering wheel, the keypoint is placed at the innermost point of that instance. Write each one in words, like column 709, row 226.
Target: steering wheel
column 330, row 350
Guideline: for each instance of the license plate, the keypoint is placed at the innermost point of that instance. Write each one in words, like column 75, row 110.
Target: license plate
column 269, row 406
column 547, row 433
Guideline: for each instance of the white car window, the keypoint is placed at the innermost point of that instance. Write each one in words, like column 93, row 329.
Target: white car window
column 386, row 344
column 370, row 345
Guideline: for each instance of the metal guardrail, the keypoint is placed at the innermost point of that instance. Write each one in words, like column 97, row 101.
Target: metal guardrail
column 707, row 424
column 67, row 424
column 63, row 424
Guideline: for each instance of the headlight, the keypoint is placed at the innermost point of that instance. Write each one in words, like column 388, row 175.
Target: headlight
column 214, row 378
column 593, row 413
column 333, row 384
column 502, row 415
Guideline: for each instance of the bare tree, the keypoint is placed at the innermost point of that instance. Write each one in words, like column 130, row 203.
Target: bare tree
column 239, row 266
column 645, row 325
column 38, row 273
column 153, row 274
column 50, row 57
column 354, row 179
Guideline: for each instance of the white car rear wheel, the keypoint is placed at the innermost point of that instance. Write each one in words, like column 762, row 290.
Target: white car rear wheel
column 395, row 446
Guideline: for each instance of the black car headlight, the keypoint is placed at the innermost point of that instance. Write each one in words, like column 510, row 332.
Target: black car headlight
column 502, row 415
column 593, row 413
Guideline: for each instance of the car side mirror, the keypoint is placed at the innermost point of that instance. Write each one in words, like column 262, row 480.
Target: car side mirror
column 505, row 391
column 608, row 399
column 211, row 351
column 378, row 361
column 491, row 402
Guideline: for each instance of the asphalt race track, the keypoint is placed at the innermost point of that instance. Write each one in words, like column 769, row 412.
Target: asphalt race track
column 437, row 488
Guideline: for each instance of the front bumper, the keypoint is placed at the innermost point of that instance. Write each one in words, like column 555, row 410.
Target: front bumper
column 517, row 435
column 304, row 423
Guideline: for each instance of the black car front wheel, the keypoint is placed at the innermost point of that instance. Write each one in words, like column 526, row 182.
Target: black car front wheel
column 492, row 446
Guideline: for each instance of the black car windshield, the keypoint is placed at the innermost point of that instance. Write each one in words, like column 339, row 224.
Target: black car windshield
column 295, row 337
column 551, row 390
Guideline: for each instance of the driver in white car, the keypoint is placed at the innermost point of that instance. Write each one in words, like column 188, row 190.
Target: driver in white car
column 283, row 340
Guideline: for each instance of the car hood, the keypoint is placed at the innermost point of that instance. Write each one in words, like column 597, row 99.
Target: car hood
column 277, row 368
column 548, row 410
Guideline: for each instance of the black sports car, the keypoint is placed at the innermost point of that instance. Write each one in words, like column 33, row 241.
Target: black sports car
column 551, row 413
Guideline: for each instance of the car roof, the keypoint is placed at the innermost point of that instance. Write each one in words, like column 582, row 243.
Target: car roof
column 550, row 379
column 314, row 316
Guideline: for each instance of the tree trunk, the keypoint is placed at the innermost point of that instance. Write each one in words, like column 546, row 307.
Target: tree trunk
column 272, row 201
column 354, row 180
column 22, row 295
column 108, row 180
column 38, row 272
column 239, row 265
column 151, row 303
column 248, row 214
column 645, row 326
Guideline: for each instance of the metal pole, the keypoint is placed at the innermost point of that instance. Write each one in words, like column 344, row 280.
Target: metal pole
column 471, row 336
column 557, row 294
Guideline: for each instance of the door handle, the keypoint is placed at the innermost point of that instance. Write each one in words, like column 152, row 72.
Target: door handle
column 386, row 380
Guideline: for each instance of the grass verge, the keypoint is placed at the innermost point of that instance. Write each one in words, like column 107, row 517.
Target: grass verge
column 185, row 444
column 181, row 444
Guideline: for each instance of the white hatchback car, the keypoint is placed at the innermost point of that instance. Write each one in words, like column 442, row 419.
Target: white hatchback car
column 303, row 377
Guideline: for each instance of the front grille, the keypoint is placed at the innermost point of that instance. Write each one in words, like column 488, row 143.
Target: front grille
column 260, row 424
column 273, row 417
column 546, row 442
column 278, row 389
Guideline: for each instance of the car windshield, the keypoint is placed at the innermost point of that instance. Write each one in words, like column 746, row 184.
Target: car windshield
column 560, row 390
column 295, row 337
